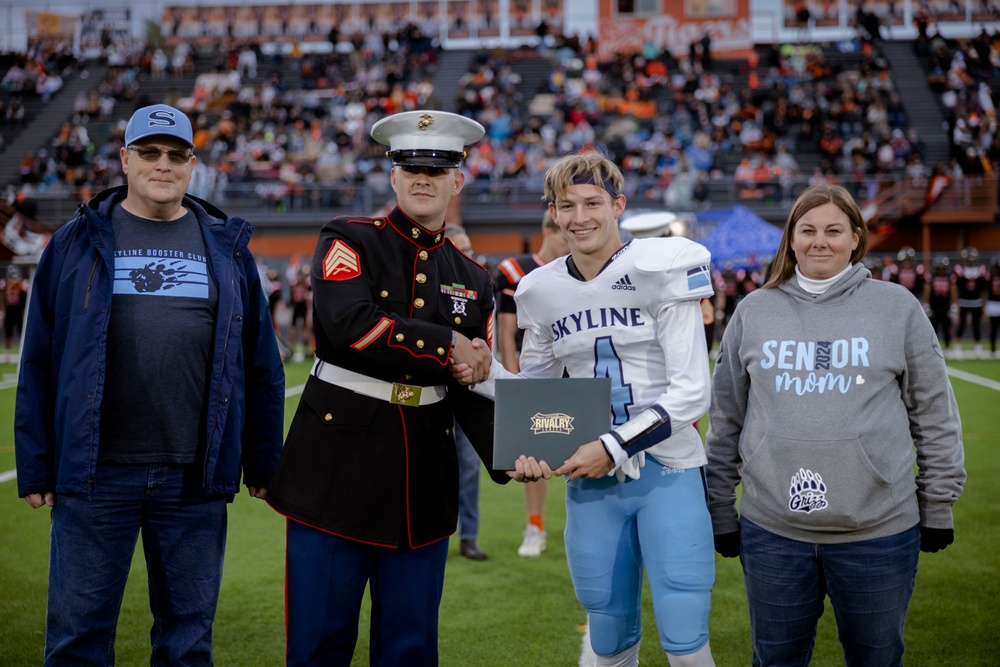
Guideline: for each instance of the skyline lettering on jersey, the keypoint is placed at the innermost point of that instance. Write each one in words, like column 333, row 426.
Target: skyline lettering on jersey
column 599, row 318
column 804, row 363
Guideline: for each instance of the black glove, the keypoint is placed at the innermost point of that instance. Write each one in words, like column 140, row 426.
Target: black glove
column 728, row 544
column 932, row 540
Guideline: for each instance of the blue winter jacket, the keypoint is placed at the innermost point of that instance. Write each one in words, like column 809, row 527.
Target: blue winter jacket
column 61, row 382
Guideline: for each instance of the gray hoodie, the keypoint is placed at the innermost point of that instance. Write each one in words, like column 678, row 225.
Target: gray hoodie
column 821, row 407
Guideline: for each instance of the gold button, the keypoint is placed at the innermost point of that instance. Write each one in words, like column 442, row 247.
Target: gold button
column 447, row 431
column 383, row 293
column 399, row 338
column 441, row 351
column 458, row 320
column 420, row 344
column 328, row 417
column 379, row 224
column 419, row 303
column 415, row 233
column 421, row 278
column 423, row 255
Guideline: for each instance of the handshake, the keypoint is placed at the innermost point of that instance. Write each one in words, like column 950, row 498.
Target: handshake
column 470, row 360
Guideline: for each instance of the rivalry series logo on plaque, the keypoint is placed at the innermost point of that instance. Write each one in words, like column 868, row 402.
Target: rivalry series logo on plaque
column 558, row 423
column 548, row 418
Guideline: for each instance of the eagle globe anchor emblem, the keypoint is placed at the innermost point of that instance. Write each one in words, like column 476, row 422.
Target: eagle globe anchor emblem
column 405, row 394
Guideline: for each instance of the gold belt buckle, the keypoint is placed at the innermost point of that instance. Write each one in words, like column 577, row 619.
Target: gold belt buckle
column 405, row 394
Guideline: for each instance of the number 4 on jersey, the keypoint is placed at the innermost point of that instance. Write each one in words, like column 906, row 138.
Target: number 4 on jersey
column 607, row 364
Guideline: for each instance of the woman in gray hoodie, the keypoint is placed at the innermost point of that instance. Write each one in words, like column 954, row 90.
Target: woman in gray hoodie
column 829, row 390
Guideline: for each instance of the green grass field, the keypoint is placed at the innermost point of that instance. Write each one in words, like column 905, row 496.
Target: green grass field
column 515, row 611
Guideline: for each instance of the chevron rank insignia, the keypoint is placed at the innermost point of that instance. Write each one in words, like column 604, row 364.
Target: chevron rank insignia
column 341, row 262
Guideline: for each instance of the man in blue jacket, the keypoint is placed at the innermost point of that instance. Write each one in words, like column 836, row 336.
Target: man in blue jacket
column 150, row 377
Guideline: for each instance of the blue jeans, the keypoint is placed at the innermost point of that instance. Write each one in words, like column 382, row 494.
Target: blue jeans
column 869, row 584
column 92, row 542
column 468, row 486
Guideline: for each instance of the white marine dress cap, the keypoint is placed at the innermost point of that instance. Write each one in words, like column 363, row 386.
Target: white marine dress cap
column 648, row 224
column 427, row 138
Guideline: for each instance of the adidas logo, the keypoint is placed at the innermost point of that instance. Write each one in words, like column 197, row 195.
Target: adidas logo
column 624, row 283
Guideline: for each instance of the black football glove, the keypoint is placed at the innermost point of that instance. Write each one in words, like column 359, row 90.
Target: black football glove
column 728, row 544
column 932, row 540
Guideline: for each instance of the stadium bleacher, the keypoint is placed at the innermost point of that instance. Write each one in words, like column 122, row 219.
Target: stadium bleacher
column 287, row 143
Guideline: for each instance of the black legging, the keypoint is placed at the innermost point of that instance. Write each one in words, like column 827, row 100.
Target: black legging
column 942, row 325
column 977, row 314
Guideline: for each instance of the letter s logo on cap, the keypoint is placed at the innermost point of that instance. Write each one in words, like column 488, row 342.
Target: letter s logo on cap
column 162, row 118
column 341, row 262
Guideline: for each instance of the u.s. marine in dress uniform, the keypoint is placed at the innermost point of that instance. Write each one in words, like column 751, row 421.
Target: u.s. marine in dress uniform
column 368, row 477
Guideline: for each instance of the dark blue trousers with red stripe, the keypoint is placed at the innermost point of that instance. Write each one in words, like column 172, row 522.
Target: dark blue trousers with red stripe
column 325, row 581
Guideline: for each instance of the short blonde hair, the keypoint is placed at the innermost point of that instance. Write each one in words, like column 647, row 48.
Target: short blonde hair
column 578, row 168
column 783, row 266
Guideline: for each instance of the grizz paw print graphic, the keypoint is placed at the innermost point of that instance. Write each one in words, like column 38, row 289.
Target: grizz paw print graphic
column 156, row 276
column 807, row 492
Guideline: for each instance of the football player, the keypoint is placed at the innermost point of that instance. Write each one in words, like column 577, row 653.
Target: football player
column 635, row 497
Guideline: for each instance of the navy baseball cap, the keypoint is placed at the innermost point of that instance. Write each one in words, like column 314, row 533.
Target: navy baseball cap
column 427, row 138
column 159, row 120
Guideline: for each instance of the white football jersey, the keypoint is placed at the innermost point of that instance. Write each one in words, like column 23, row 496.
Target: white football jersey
column 638, row 323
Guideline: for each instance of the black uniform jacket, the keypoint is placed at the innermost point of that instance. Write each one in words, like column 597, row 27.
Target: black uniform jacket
column 387, row 295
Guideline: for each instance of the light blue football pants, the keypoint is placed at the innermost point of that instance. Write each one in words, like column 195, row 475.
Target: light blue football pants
column 614, row 529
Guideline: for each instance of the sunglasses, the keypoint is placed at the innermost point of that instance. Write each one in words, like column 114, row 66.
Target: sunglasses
column 152, row 154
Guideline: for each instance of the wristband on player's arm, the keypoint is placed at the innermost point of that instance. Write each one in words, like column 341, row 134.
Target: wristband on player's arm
column 642, row 432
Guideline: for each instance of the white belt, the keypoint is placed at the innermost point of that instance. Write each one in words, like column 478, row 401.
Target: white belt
column 392, row 392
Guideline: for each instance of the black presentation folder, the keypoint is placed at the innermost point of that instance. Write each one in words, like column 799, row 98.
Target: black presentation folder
column 548, row 418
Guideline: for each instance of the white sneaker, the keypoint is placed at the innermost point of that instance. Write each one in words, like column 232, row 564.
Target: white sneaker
column 533, row 544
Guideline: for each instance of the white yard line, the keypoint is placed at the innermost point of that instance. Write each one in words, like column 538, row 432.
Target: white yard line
column 975, row 379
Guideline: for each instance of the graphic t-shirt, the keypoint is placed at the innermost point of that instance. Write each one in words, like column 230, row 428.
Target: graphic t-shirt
column 159, row 342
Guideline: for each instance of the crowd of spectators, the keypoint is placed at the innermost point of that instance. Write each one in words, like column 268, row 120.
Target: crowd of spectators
column 675, row 125
column 966, row 74
column 303, row 122
column 39, row 71
column 291, row 128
